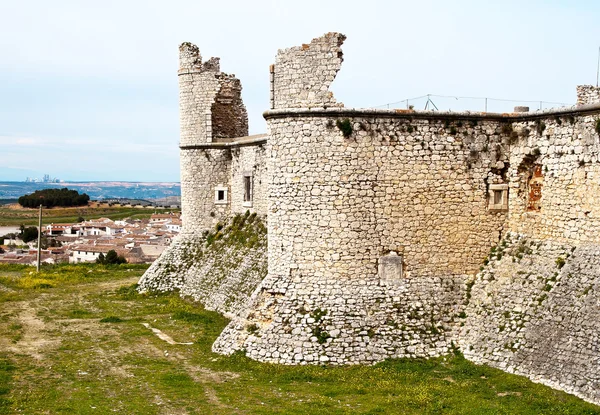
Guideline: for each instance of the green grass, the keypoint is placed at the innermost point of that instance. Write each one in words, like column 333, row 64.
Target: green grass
column 16, row 217
column 6, row 372
column 88, row 367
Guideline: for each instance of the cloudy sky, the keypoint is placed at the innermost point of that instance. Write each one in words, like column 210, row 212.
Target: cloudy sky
column 88, row 89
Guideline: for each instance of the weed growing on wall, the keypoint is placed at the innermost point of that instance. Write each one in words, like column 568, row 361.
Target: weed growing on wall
column 540, row 126
column 345, row 127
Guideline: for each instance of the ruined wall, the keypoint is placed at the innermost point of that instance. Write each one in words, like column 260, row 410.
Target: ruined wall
column 210, row 103
column 379, row 222
column 228, row 113
column 301, row 75
column 220, row 268
column 587, row 94
column 211, row 111
column 198, row 87
column 534, row 311
column 202, row 170
column 534, row 308
column 417, row 186
column 249, row 161
column 211, row 114
column 565, row 149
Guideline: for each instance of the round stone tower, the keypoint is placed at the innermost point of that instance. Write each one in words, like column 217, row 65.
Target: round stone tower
column 207, row 98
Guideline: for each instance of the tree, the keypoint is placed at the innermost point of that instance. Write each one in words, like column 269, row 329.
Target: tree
column 113, row 258
column 30, row 233
column 100, row 259
column 54, row 197
column 80, row 219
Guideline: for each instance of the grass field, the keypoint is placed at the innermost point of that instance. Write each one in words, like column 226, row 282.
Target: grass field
column 78, row 339
column 16, row 217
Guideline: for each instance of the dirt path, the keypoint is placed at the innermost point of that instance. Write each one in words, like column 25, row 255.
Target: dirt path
column 34, row 335
column 39, row 326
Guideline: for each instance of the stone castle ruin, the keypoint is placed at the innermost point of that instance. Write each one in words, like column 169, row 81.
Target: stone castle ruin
column 391, row 233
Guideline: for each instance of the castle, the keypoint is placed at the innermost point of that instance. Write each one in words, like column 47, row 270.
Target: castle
column 393, row 233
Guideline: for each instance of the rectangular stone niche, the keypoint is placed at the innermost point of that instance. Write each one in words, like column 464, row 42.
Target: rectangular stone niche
column 390, row 268
column 498, row 197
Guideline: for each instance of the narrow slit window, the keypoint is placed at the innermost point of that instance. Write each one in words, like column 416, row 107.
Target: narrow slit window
column 247, row 188
column 220, row 195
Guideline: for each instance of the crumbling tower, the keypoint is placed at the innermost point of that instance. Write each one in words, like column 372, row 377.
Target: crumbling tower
column 210, row 111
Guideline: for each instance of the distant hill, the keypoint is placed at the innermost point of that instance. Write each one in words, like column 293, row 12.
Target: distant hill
column 97, row 190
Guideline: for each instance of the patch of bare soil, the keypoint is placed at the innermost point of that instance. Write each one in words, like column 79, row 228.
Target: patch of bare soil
column 39, row 335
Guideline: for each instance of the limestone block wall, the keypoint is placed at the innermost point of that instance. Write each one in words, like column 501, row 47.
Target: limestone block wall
column 249, row 161
column 535, row 311
column 197, row 91
column 301, row 75
column 210, row 103
column 221, row 275
column 229, row 117
column 588, row 94
column 565, row 148
column 338, row 206
column 202, row 170
column 534, row 308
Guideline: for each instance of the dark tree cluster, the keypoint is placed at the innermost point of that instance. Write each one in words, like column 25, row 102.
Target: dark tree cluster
column 54, row 197
column 111, row 258
column 29, row 234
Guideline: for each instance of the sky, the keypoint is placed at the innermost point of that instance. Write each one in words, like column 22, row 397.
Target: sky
column 88, row 90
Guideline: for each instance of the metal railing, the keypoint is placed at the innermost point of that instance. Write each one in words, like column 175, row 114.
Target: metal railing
column 458, row 103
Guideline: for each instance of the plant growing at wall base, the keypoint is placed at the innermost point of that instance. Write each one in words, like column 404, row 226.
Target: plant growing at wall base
column 321, row 335
column 345, row 127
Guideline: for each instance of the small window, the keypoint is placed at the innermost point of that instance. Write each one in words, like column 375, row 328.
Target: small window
column 247, row 191
column 498, row 197
column 221, row 195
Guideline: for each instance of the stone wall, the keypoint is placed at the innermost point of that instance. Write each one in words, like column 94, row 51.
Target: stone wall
column 534, row 311
column 228, row 113
column 211, row 112
column 566, row 149
column 588, row 94
column 301, row 75
column 338, row 206
column 202, row 170
column 210, row 103
column 220, row 269
column 379, row 222
column 249, row 161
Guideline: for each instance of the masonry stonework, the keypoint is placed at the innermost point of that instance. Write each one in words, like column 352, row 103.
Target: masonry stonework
column 301, row 75
column 587, row 94
column 396, row 233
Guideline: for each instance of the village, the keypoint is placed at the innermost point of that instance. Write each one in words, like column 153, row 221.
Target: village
column 138, row 241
